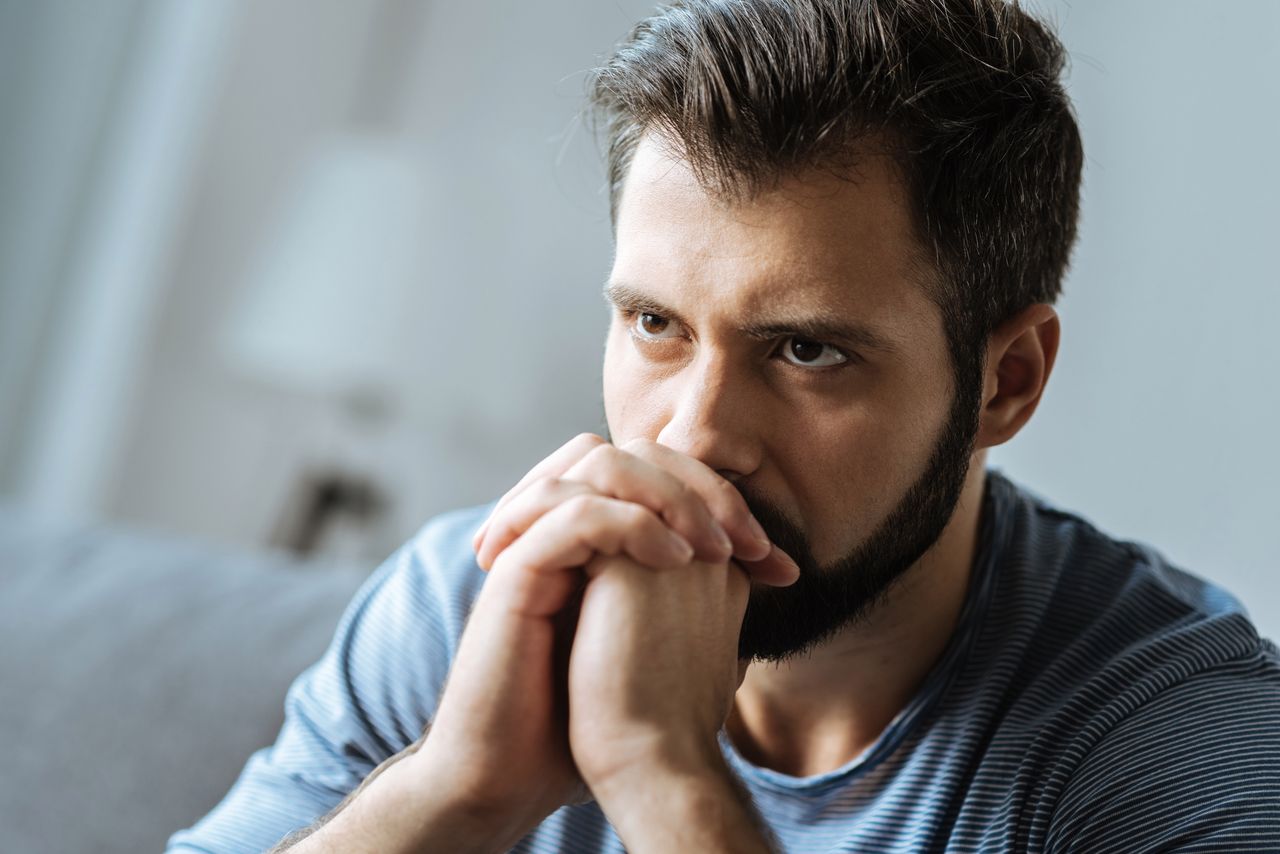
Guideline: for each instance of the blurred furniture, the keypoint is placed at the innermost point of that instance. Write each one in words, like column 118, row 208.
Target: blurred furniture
column 138, row 673
column 324, row 317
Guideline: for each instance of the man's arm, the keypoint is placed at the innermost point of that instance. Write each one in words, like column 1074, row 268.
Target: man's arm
column 352, row 713
column 401, row 808
column 1195, row 768
column 497, row 761
column 290, row 842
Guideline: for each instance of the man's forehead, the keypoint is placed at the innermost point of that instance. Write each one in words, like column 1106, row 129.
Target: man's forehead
column 821, row 249
column 857, row 214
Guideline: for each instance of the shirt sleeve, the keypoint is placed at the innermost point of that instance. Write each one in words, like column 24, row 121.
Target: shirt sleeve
column 369, row 696
column 1196, row 768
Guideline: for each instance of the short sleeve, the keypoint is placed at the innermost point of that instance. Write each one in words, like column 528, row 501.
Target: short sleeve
column 369, row 696
column 1196, row 768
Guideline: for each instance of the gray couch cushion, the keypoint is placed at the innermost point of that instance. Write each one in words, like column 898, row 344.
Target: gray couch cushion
column 137, row 675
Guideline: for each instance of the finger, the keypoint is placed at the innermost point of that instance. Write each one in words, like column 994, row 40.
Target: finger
column 721, row 497
column 618, row 474
column 553, row 466
column 516, row 517
column 764, row 561
column 776, row 570
column 540, row 569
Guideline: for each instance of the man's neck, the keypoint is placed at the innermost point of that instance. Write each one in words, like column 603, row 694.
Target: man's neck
column 817, row 712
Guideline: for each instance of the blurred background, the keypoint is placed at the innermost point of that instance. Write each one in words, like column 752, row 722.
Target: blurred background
column 302, row 273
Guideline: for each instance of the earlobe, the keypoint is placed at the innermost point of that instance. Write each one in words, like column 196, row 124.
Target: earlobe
column 1020, row 357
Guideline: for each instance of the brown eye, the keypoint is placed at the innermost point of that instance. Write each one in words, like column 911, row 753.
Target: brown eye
column 810, row 354
column 652, row 327
column 652, row 324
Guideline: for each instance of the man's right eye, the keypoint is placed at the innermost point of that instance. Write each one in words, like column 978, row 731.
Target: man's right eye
column 646, row 326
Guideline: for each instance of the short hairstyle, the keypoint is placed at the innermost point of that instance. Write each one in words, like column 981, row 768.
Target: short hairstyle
column 967, row 91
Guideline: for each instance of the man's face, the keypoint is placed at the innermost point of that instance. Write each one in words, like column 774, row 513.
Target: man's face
column 786, row 343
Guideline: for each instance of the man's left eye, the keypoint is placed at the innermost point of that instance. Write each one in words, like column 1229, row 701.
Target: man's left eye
column 812, row 354
column 652, row 327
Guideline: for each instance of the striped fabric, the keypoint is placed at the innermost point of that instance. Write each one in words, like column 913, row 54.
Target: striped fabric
column 1093, row 698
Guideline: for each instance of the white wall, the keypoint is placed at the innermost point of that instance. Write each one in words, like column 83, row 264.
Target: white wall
column 52, row 115
column 1159, row 422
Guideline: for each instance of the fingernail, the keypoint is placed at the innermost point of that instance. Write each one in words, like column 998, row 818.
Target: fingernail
column 757, row 532
column 787, row 559
column 680, row 546
column 722, row 537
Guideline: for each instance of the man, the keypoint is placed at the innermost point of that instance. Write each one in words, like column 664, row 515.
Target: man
column 787, row 607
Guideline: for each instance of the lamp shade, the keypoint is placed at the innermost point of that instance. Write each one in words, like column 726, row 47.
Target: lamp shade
column 324, row 306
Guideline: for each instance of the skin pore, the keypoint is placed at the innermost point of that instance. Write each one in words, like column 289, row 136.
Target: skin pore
column 787, row 343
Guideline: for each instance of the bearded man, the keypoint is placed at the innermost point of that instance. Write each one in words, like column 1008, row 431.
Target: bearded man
column 785, row 605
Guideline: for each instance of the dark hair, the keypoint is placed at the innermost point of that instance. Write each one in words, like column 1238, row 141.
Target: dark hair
column 966, row 91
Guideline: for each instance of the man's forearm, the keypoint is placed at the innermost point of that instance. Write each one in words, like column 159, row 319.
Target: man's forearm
column 400, row 808
column 290, row 842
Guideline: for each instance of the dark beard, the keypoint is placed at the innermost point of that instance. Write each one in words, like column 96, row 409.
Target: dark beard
column 782, row 622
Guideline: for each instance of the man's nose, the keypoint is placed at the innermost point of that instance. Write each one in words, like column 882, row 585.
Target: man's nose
column 714, row 419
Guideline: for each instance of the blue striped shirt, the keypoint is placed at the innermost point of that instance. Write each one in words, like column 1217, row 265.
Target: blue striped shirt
column 1093, row 698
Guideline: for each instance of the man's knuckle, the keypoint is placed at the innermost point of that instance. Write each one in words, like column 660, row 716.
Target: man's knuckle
column 545, row 487
column 586, row 440
column 606, row 460
column 718, row 496
column 579, row 507
column 682, row 492
column 638, row 516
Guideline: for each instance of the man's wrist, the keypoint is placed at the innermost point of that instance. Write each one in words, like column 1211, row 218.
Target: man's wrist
column 452, row 812
column 393, row 812
column 665, row 805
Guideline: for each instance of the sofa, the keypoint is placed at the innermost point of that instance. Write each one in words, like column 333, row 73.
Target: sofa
column 137, row 674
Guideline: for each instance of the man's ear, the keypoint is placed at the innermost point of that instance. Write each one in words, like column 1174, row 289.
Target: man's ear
column 1020, row 354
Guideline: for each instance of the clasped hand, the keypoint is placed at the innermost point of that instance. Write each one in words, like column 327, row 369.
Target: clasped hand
column 602, row 649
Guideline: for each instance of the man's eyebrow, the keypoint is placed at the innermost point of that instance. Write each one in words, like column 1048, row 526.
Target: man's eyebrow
column 824, row 328
column 628, row 298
